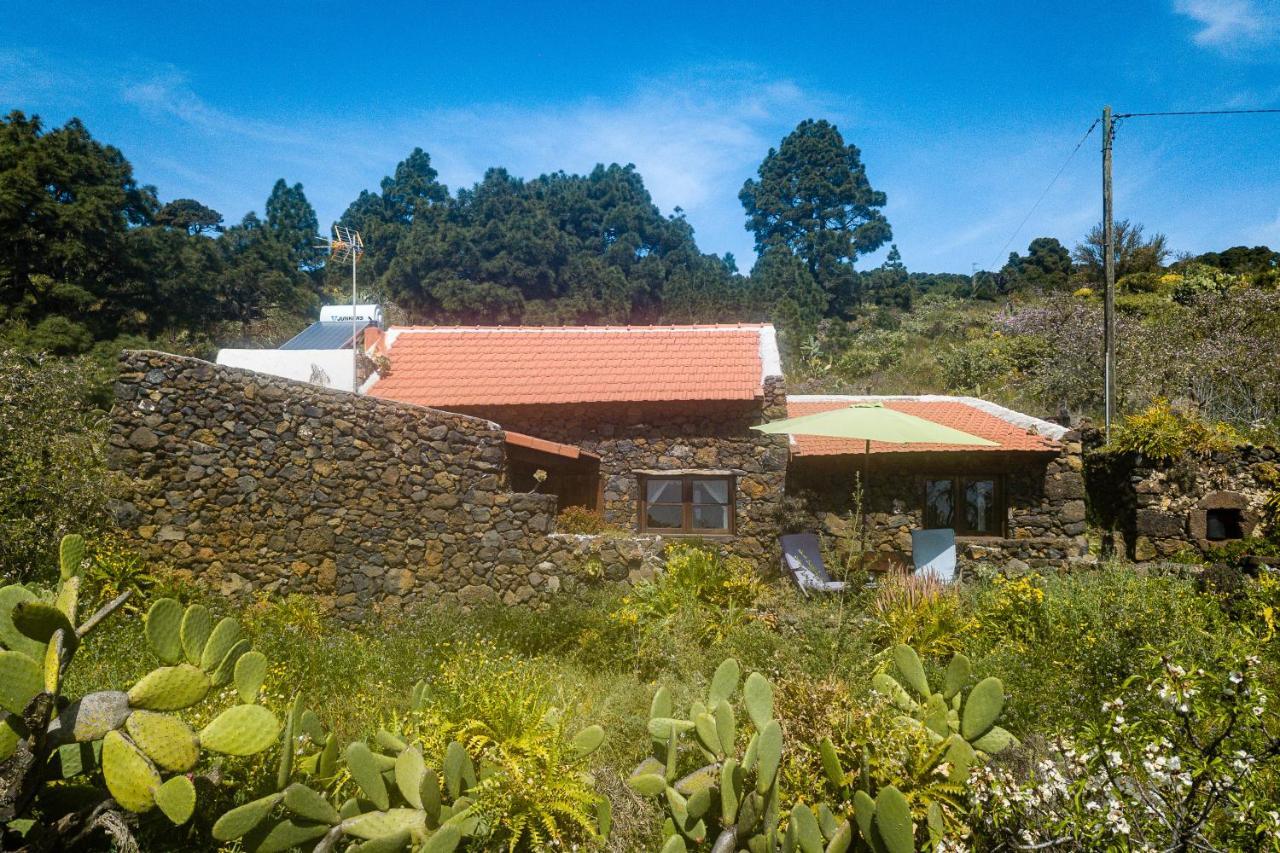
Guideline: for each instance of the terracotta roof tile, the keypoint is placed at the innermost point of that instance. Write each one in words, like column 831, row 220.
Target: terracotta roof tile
column 953, row 413
column 444, row 366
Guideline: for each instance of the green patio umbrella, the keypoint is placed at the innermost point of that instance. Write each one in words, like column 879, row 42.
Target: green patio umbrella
column 873, row 422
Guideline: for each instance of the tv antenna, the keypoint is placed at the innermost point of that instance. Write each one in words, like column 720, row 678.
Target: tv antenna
column 347, row 245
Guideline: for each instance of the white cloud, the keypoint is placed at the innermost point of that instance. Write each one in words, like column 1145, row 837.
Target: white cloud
column 1232, row 24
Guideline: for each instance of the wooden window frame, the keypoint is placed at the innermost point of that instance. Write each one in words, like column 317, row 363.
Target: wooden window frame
column 958, row 519
column 686, row 503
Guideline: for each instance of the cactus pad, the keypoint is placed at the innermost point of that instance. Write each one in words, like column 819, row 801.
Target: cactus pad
column 649, row 784
column 831, row 762
column 388, row 822
column 768, row 755
column 661, row 706
column 222, row 673
column 10, row 637
column 131, row 777
column 444, row 840
column 396, row 842
column 90, row 717
column 177, row 799
column 982, row 708
column 958, row 672
column 724, row 682
column 21, row 678
column 11, row 731
column 893, row 821
column 364, row 770
column 283, row 835
column 251, row 670
column 197, row 623
column 52, row 669
column 223, row 636
column 243, row 819
column 39, row 619
column 808, row 834
column 996, row 740
column 758, row 695
column 170, row 688
column 410, row 768
column 163, row 626
column 726, row 726
column 241, row 730
column 459, row 771
column 164, row 739
column 70, row 555
column 908, row 663
column 68, row 600
column 588, row 741
column 308, row 805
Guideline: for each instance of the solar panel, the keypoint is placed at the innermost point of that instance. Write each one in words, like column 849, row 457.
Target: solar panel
column 323, row 335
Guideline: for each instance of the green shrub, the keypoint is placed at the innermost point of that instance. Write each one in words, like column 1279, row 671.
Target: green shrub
column 1081, row 645
column 920, row 611
column 53, row 477
column 1197, row 768
column 579, row 519
column 1161, row 433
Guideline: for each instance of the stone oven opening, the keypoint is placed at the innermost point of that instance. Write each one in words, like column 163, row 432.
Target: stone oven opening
column 1224, row 523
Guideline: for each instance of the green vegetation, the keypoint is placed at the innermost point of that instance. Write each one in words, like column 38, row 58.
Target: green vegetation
column 531, row 733
column 127, row 738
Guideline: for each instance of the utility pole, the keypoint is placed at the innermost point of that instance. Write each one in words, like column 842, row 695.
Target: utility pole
column 1109, row 276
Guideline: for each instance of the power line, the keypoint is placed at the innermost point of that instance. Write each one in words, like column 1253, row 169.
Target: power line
column 1030, row 212
column 1196, row 113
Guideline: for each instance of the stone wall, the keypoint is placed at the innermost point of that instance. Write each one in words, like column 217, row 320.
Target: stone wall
column 254, row 483
column 1156, row 508
column 1045, row 498
column 674, row 436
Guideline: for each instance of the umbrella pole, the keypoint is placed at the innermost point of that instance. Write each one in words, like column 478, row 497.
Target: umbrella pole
column 862, row 546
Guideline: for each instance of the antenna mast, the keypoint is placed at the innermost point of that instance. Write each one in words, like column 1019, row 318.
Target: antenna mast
column 346, row 244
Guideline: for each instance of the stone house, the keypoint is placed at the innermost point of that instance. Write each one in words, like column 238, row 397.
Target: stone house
column 428, row 484
column 1022, row 498
column 649, row 425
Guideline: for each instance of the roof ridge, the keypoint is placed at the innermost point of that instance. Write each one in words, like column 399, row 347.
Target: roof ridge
column 673, row 327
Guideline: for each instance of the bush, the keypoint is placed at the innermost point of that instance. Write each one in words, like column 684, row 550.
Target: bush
column 53, row 477
column 920, row 611
column 1197, row 768
column 1161, row 433
column 579, row 519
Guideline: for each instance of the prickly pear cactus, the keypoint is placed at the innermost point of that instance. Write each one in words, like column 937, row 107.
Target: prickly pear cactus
column 385, row 797
column 130, row 738
column 964, row 724
column 733, row 797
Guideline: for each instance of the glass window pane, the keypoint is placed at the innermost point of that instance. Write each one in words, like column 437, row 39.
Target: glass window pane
column 938, row 503
column 710, row 517
column 711, row 491
column 664, row 491
column 980, row 506
column 665, row 517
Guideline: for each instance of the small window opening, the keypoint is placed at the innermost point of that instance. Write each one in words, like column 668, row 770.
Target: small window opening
column 1222, row 524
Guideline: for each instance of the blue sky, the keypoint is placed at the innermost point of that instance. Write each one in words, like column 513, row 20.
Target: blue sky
column 963, row 111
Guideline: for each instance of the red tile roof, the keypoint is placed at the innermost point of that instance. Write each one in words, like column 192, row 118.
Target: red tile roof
column 444, row 366
column 953, row 413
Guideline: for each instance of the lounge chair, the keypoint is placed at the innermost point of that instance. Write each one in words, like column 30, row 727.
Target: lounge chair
column 802, row 557
column 934, row 552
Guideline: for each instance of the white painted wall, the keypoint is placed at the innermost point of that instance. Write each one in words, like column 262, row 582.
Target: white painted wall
column 330, row 368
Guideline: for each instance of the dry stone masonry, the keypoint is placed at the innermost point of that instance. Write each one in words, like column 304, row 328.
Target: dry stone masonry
column 254, row 483
column 1158, row 508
